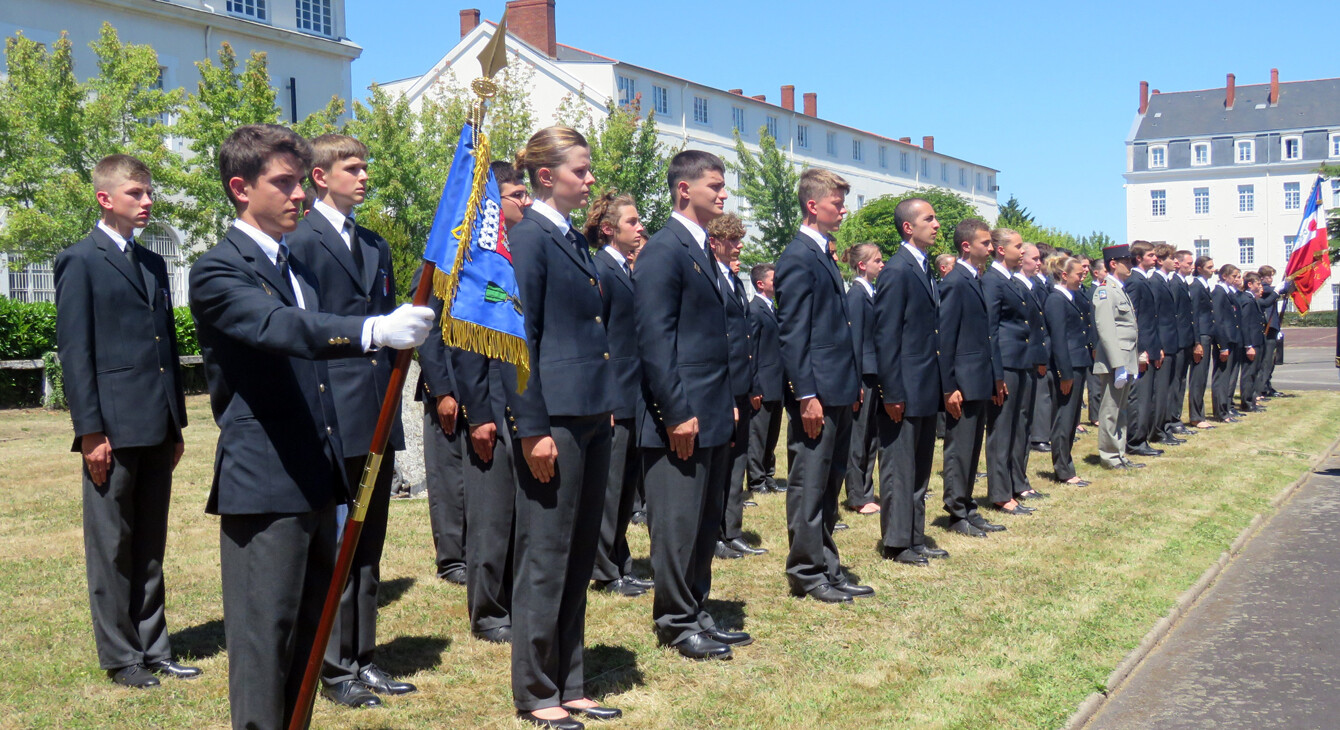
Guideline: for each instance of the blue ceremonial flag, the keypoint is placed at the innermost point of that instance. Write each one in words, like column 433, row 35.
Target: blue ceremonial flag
column 475, row 278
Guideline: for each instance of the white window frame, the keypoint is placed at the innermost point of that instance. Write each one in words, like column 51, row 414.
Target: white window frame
column 771, row 123
column 1239, row 145
column 701, row 111
column 627, row 89
column 737, row 119
column 1201, row 246
column 1246, row 251
column 905, row 162
column 1293, row 199
column 803, row 136
column 1333, row 145
column 1158, row 203
column 944, row 172
column 860, row 202
column 1246, row 198
column 660, row 99
column 1298, row 149
column 253, row 9
column 1201, row 145
column 319, row 16
column 1158, row 156
column 857, row 150
column 962, row 177
column 925, row 168
column 831, row 145
column 1335, row 193
column 1197, row 198
column 1290, row 242
column 979, row 182
column 883, row 156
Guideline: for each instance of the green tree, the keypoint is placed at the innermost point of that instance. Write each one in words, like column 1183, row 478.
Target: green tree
column 875, row 222
column 1013, row 215
column 767, row 182
column 627, row 156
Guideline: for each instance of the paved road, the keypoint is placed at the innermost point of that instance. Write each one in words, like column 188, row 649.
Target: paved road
column 1261, row 648
column 1309, row 362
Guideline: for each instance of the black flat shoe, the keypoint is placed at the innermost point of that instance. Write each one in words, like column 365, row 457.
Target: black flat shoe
column 169, row 668
column 982, row 524
column 498, row 635
column 906, row 556
column 1031, row 494
column 1018, row 509
column 963, row 527
column 595, row 713
column 854, row 590
column 730, row 638
column 620, row 587
column 726, row 552
column 455, row 575
column 701, row 647
column 134, row 676
column 927, row 551
column 739, row 545
column 840, row 526
column 826, row 594
column 350, row 693
column 563, row 723
column 1144, row 451
column 378, row 681
column 640, row 583
column 1128, row 464
column 750, row 503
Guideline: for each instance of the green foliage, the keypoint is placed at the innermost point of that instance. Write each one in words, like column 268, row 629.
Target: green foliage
column 627, row 157
column 185, row 326
column 54, row 397
column 26, row 330
column 1013, row 215
column 875, row 222
column 406, row 255
column 323, row 121
column 1314, row 318
column 768, row 184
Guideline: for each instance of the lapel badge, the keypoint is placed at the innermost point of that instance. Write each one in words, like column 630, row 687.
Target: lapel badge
column 266, row 287
column 695, row 267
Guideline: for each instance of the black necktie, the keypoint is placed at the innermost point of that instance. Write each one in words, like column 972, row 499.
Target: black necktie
column 354, row 247
column 281, row 263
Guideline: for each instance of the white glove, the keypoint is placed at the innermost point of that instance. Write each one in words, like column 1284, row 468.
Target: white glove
column 402, row 329
column 1119, row 377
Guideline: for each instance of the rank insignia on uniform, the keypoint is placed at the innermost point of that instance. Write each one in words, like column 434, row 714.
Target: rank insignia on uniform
column 1102, row 294
column 696, row 269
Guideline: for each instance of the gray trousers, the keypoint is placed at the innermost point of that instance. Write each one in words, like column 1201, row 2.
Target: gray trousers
column 613, row 558
column 1161, row 404
column 1181, row 369
column 1221, row 385
column 963, row 450
column 490, row 523
column 906, row 450
column 444, row 480
column 764, row 430
column 1112, row 420
column 1095, row 392
column 1007, row 437
column 684, row 509
column 732, row 517
column 1268, row 364
column 125, row 534
column 1141, row 405
column 1198, row 374
column 1044, row 408
column 864, row 447
column 276, row 569
column 353, row 639
column 1064, row 423
column 1252, row 377
column 817, row 469
column 557, row 530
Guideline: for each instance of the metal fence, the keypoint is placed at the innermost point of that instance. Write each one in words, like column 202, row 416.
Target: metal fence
column 37, row 283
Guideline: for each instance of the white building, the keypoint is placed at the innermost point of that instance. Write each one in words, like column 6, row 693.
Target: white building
column 304, row 41
column 702, row 117
column 1224, row 172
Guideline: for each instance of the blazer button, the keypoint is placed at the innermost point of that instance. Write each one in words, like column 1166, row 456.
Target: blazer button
column 374, row 361
column 331, row 341
column 328, row 429
column 607, row 356
column 321, row 388
column 593, row 282
column 156, row 338
column 597, row 319
column 160, row 370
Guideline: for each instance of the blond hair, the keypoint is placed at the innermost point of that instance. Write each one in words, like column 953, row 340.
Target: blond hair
column 727, row 227
column 548, row 147
column 816, row 182
column 113, row 170
column 860, row 252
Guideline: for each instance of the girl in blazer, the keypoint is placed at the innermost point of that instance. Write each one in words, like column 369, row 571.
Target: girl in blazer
column 1071, row 358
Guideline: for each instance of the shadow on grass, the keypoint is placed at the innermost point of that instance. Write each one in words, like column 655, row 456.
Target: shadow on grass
column 610, row 670
column 198, row 642
column 405, row 655
column 389, row 591
column 729, row 615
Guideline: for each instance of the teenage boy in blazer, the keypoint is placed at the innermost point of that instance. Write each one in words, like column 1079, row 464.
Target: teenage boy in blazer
column 1071, row 357
column 1202, row 304
column 973, row 374
column 1137, row 286
column 352, row 266
column 1227, row 341
column 1253, row 340
column 865, row 261
column 766, row 425
column 1187, row 344
column 117, row 343
column 279, row 470
column 687, row 422
column 1170, row 333
column 823, row 387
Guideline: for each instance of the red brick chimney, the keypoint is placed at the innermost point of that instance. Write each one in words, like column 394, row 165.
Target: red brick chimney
column 759, row 97
column 737, row 92
column 905, row 140
column 811, row 104
column 1144, row 96
column 469, row 21
column 1274, row 86
column 533, row 22
column 1232, row 91
column 789, row 97
column 928, row 143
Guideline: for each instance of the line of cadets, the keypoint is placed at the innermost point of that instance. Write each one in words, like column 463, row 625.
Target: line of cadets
column 656, row 389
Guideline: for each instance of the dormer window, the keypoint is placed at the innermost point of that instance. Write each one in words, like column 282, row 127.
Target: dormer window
column 1158, row 156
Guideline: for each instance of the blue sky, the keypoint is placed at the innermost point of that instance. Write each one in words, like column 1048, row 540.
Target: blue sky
column 1046, row 91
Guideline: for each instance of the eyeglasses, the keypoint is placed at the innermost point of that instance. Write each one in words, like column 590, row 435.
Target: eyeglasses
column 517, row 196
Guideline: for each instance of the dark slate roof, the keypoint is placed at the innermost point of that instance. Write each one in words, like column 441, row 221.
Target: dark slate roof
column 1302, row 105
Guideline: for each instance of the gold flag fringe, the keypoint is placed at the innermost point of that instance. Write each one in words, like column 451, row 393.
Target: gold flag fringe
column 468, row 335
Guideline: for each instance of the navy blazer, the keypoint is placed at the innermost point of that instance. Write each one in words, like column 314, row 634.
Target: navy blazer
column 1008, row 320
column 485, row 384
column 117, row 342
column 1269, row 303
column 1253, row 320
column 1070, row 334
column 1039, row 340
column 1166, row 304
column 359, row 382
column 681, row 336
column 740, row 333
column 767, row 349
column 570, row 373
column 815, row 327
column 279, row 448
column 907, row 336
column 1186, row 312
column 1146, row 313
column 436, row 375
column 1203, row 305
column 1227, row 320
column 861, row 307
column 968, row 357
column 616, row 291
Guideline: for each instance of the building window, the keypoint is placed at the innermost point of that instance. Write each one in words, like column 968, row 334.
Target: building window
column 1290, row 242
column 1202, row 246
column 1292, row 196
column 979, row 181
column 1158, row 156
column 1335, row 144
column 944, row 172
column 856, row 153
column 660, row 99
column 772, row 126
column 1159, row 199
column 1335, row 193
column 627, row 90
column 737, row 118
column 1200, row 153
column 1246, row 198
column 1335, row 296
column 860, row 202
column 1202, row 198
column 1246, row 150
column 991, row 186
column 803, row 135
column 1246, row 251
column 250, row 8
column 1291, row 148
column 883, row 156
column 925, row 168
column 315, row 15
column 832, row 143
column 962, row 178
column 700, row 110
column 904, row 162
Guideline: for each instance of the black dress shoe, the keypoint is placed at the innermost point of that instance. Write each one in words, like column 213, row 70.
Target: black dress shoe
column 1235, row 413
column 906, row 556
column 1144, row 451
column 778, row 488
column 1018, row 509
column 927, row 551
column 855, row 591
column 1167, row 440
column 620, row 587
column 595, row 713
column 979, row 475
column 455, row 575
column 982, row 524
column 1128, row 464
column 738, row 544
column 840, row 526
column 564, row 723
column 730, row 638
column 750, row 503
column 700, row 646
column 496, row 635
column 963, row 527
column 727, row 552
column 1041, row 447
column 1229, row 419
column 1031, row 494
column 350, row 693
column 378, row 681
column 829, row 594
column 640, row 583
column 133, row 676
column 169, row 668
column 1179, row 429
column 638, row 518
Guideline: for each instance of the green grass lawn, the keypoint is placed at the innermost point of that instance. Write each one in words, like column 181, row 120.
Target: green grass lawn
column 1011, row 632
